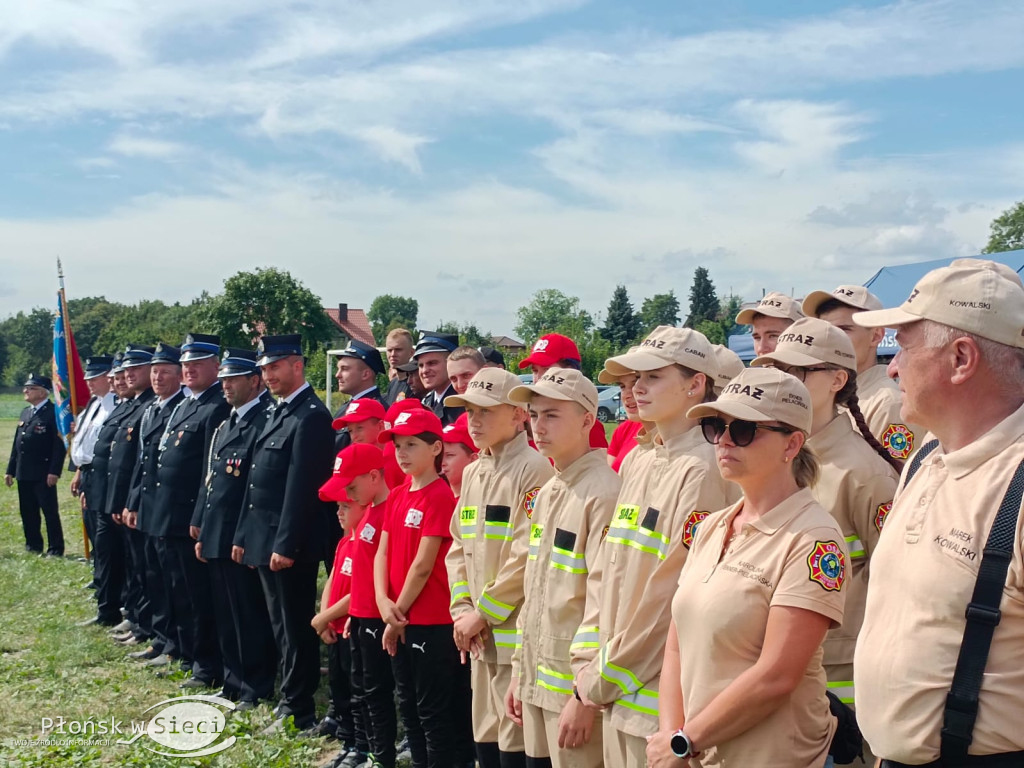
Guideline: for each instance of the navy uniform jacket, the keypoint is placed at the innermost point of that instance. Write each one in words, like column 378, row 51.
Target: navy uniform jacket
column 292, row 458
column 38, row 448
column 124, row 450
column 144, row 481
column 181, row 464
column 446, row 413
column 343, row 439
column 220, row 498
column 97, row 494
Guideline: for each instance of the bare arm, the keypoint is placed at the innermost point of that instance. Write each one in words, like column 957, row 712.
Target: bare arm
column 419, row 572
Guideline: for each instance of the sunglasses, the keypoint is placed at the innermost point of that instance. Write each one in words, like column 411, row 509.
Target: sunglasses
column 799, row 371
column 742, row 433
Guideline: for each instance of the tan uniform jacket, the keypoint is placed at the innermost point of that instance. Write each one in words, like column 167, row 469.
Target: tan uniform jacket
column 563, row 576
column 880, row 401
column 922, row 577
column 856, row 486
column 490, row 540
column 665, row 492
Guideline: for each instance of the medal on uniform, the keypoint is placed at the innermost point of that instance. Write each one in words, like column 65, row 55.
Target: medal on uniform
column 129, row 435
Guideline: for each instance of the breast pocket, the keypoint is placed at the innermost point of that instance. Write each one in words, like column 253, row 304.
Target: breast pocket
column 274, row 456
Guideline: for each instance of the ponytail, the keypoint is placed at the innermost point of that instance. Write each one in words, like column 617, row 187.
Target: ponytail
column 847, row 397
column 806, row 467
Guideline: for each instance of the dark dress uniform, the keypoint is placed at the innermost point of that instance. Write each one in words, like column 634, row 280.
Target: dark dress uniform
column 435, row 403
column 38, row 451
column 282, row 513
column 157, row 617
column 180, row 474
column 247, row 647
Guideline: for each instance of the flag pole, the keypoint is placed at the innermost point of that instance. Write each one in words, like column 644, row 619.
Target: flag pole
column 71, row 378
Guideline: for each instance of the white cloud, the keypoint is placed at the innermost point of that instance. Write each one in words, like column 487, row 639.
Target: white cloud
column 144, row 147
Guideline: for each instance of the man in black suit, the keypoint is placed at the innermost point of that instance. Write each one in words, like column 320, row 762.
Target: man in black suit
column 124, row 450
column 180, row 470
column 356, row 374
column 431, row 356
column 36, row 461
column 247, row 647
column 157, row 618
column 283, row 523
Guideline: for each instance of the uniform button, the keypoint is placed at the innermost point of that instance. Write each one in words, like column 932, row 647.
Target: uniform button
column 250, row 506
column 158, row 485
column 251, row 485
column 254, row 466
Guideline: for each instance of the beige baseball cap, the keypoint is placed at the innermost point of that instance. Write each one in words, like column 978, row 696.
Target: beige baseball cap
column 762, row 394
column 729, row 366
column 974, row 295
column 811, row 341
column 856, row 296
column 559, row 384
column 667, row 345
column 607, row 377
column 488, row 388
column 774, row 304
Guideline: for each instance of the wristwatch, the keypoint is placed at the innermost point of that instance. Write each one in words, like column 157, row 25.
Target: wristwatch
column 681, row 745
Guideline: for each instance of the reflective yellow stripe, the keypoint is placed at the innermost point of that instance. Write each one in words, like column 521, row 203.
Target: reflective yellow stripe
column 460, row 591
column 498, row 531
column 642, row 701
column 843, row 689
column 536, row 531
column 651, row 542
column 499, row 610
column 554, row 681
column 586, row 637
column 620, row 676
column 567, row 560
column 855, row 546
column 467, row 522
column 508, row 638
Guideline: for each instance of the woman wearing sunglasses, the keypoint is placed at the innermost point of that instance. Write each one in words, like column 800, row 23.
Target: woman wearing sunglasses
column 742, row 682
column 858, row 477
column 665, row 489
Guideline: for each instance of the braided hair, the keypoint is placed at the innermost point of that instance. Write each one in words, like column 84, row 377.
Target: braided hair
column 847, row 397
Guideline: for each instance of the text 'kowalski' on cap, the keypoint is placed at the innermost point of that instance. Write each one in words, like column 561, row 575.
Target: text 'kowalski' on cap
column 974, row 295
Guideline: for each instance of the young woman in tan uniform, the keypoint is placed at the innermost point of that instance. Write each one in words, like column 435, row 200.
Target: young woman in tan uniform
column 858, row 476
column 665, row 491
column 742, row 682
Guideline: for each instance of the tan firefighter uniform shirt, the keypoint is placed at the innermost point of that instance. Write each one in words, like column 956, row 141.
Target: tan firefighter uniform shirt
column 880, row 401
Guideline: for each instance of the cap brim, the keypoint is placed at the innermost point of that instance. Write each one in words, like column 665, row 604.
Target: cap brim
column 727, row 408
column 746, row 317
column 606, row 377
column 344, row 421
column 814, row 299
column 188, row 357
column 268, row 359
column 96, row 375
column 884, row 318
column 225, row 373
column 134, row 364
column 786, row 357
column 334, row 489
column 428, row 350
column 541, row 359
column 623, row 365
column 524, row 393
column 474, row 398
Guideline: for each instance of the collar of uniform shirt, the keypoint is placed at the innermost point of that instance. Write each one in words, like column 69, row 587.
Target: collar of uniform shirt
column 293, row 395
column 37, row 406
column 161, row 403
column 241, row 410
column 364, row 392
column 998, row 439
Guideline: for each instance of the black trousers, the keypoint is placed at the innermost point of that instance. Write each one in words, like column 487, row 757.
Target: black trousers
column 193, row 610
column 136, row 598
column 110, row 565
column 33, row 496
column 378, row 683
column 339, row 670
column 89, row 512
column 433, row 687
column 360, row 709
column 247, row 650
column 164, row 635
column 291, row 599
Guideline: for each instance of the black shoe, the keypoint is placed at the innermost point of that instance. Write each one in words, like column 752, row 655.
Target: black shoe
column 49, row 553
column 245, row 706
column 195, row 682
column 96, row 620
column 327, row 727
column 146, row 655
column 350, row 758
column 225, row 693
column 304, row 725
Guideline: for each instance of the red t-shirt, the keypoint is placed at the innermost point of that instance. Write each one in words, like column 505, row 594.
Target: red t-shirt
column 598, row 438
column 393, row 474
column 366, row 539
column 411, row 516
column 623, row 441
column 341, row 577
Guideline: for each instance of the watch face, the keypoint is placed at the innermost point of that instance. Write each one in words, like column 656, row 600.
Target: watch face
column 680, row 745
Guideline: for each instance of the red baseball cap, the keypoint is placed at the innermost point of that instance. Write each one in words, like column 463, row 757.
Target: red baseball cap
column 458, row 432
column 401, row 406
column 360, row 410
column 550, row 350
column 413, row 422
column 356, row 460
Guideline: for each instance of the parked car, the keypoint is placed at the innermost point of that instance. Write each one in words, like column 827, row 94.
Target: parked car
column 609, row 400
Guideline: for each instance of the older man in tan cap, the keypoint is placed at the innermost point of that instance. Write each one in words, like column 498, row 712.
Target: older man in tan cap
column 878, row 395
column 919, row 664
column 774, row 313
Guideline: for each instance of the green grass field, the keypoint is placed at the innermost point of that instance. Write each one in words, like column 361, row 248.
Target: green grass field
column 51, row 668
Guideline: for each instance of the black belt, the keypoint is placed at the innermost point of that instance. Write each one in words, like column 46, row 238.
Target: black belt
column 1003, row 760
column 86, row 467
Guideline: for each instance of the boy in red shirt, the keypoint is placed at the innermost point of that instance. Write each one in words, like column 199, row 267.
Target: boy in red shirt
column 459, row 452
column 411, row 584
column 365, row 419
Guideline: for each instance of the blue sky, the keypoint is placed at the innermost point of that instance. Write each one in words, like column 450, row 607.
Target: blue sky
column 470, row 153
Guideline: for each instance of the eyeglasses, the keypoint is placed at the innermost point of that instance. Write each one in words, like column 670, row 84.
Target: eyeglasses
column 798, row 371
column 741, row 432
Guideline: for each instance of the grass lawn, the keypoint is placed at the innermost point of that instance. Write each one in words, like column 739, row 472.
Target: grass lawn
column 51, row 668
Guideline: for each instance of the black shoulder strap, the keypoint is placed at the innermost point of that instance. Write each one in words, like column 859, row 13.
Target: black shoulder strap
column 983, row 616
column 921, row 455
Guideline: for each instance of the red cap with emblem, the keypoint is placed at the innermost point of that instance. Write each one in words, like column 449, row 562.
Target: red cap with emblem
column 356, row 460
column 458, row 432
column 414, row 422
column 401, row 406
column 360, row 410
column 550, row 350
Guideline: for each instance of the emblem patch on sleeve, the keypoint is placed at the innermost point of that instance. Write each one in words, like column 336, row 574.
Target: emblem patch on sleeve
column 827, row 564
column 881, row 513
column 529, row 499
column 690, row 526
column 898, row 440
